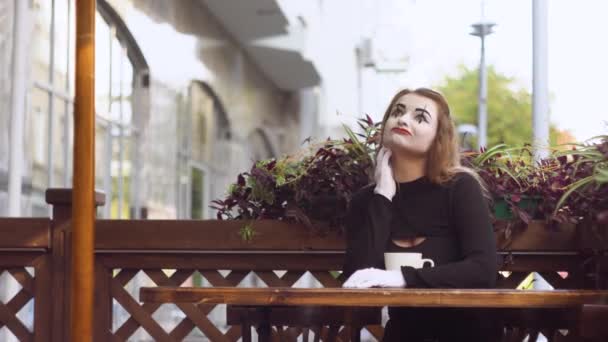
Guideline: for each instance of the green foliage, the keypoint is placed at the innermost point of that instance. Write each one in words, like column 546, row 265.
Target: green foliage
column 247, row 233
column 593, row 154
column 314, row 185
column 509, row 109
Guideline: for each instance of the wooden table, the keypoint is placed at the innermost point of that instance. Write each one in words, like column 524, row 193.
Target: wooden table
column 338, row 297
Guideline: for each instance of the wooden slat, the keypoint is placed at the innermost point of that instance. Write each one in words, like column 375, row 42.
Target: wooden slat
column 326, row 279
column 215, row 278
column 291, row 277
column 18, row 301
column 125, row 275
column 270, row 278
column 160, row 278
column 14, row 324
column 304, row 261
column 202, row 322
column 236, row 277
column 103, row 303
column 25, row 232
column 42, row 295
column 23, row 277
column 131, row 324
column 182, row 329
column 279, row 235
column 135, row 310
column 192, row 312
column 376, row 330
column 210, row 234
column 12, row 259
column 376, row 297
column 244, row 261
column 512, row 281
column 233, row 333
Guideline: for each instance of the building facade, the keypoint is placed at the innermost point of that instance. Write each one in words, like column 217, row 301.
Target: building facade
column 184, row 101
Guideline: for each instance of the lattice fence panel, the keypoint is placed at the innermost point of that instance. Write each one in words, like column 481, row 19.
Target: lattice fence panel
column 10, row 309
column 196, row 317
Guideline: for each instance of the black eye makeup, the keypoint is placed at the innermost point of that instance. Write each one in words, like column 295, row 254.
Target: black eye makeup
column 421, row 117
column 421, row 114
column 399, row 109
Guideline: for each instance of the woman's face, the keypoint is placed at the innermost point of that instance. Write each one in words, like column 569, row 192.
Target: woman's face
column 412, row 125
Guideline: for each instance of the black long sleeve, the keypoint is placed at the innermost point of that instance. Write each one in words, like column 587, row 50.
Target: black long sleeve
column 367, row 231
column 453, row 217
column 475, row 237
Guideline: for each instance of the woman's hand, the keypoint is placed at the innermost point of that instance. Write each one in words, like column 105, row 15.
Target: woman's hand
column 374, row 277
column 383, row 175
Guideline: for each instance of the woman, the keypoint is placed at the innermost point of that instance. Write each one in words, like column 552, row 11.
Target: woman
column 423, row 201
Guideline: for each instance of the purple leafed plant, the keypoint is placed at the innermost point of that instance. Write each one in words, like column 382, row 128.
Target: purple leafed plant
column 311, row 187
column 315, row 185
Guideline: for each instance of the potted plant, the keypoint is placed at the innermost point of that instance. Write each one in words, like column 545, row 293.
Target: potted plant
column 312, row 187
column 506, row 173
column 579, row 190
column 534, row 203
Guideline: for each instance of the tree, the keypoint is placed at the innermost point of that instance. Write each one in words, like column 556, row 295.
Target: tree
column 509, row 109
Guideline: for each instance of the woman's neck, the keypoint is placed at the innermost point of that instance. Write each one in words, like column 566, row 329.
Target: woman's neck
column 408, row 168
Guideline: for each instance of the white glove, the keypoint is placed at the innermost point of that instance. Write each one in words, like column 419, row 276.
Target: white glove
column 383, row 175
column 374, row 277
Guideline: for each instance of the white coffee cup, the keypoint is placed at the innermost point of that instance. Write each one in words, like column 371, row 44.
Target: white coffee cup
column 394, row 261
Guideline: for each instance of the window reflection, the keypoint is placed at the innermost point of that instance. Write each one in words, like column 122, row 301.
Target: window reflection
column 50, row 115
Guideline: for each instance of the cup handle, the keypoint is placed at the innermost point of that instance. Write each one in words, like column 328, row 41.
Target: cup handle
column 429, row 261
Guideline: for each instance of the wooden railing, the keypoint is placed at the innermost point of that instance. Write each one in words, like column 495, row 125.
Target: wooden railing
column 174, row 252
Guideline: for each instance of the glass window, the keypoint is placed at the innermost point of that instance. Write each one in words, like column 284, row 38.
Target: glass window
column 52, row 104
column 38, row 123
column 102, row 67
column 197, row 194
column 60, row 121
column 60, row 45
column 42, row 40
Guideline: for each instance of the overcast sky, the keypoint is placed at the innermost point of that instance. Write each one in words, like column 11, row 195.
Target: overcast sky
column 435, row 35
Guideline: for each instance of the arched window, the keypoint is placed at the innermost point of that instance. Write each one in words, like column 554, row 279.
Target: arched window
column 260, row 146
column 204, row 130
column 120, row 70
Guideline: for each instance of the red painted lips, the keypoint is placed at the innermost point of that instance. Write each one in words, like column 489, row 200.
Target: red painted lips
column 402, row 131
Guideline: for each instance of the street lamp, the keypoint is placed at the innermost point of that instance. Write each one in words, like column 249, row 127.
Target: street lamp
column 465, row 132
column 481, row 30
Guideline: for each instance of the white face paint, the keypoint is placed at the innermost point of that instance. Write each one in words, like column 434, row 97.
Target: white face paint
column 412, row 125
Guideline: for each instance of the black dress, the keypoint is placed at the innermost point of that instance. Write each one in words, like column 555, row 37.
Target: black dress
column 455, row 221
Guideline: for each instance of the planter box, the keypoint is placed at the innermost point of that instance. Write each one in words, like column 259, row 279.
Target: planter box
column 502, row 210
column 272, row 235
column 538, row 237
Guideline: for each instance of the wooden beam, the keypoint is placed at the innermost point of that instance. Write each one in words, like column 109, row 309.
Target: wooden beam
column 83, row 197
column 463, row 298
column 25, row 232
column 210, row 234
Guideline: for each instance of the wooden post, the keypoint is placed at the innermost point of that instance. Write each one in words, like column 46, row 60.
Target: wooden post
column 83, row 197
column 61, row 251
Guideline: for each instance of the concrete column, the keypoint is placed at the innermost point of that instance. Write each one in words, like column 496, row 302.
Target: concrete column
column 19, row 88
column 540, row 88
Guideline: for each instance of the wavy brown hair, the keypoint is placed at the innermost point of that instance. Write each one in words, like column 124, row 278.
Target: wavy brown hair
column 443, row 161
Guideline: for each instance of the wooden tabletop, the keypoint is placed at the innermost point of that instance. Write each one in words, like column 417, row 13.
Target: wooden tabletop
column 277, row 296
